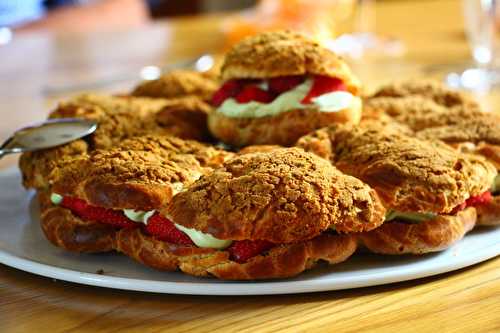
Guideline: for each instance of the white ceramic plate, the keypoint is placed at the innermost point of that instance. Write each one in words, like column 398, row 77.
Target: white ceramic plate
column 23, row 246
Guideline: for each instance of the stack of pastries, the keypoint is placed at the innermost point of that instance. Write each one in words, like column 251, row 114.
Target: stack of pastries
column 309, row 170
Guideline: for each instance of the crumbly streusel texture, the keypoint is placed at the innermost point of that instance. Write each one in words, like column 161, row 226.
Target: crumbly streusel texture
column 141, row 173
column 282, row 196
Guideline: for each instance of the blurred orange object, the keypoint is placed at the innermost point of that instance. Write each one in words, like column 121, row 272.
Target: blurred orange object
column 321, row 19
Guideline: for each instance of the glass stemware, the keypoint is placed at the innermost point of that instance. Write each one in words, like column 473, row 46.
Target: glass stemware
column 481, row 30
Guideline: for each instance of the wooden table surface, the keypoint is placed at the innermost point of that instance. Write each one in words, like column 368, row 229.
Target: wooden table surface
column 33, row 66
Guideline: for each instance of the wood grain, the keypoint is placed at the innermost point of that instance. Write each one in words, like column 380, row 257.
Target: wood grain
column 467, row 300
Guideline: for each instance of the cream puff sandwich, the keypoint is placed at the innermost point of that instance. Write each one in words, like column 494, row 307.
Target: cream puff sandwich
column 278, row 86
column 94, row 195
column 429, row 189
column 431, row 111
column 261, row 215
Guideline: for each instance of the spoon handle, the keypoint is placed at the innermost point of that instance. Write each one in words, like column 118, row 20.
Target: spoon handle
column 3, row 153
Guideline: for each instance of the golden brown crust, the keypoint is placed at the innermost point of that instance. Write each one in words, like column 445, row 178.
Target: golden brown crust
column 141, row 173
column 284, row 53
column 36, row 167
column 429, row 236
column 408, row 174
column 118, row 117
column 282, row 196
column 67, row 231
column 283, row 129
column 176, row 84
column 430, row 90
column 489, row 214
column 207, row 155
column 130, row 179
column 279, row 262
column 422, row 104
column 490, row 152
column 481, row 128
column 416, row 112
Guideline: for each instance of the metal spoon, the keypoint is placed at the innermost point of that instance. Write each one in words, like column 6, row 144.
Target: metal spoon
column 48, row 134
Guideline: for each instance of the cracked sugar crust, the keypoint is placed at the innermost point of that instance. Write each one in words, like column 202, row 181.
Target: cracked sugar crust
column 408, row 174
column 420, row 105
column 283, row 53
column 282, row 196
column 176, row 84
column 477, row 129
column 36, row 166
column 418, row 112
column 428, row 89
column 164, row 146
column 142, row 173
column 118, row 117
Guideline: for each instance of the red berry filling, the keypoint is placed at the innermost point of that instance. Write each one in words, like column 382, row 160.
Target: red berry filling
column 163, row 229
column 477, row 200
column 229, row 89
column 279, row 85
column 159, row 227
column 93, row 213
column 245, row 91
column 253, row 93
column 243, row 250
column 322, row 85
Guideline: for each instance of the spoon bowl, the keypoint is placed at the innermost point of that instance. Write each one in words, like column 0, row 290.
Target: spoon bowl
column 51, row 133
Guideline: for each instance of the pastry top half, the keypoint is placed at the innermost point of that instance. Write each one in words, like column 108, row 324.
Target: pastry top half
column 409, row 174
column 420, row 104
column 434, row 112
column 429, row 89
column 176, row 84
column 118, row 117
column 281, row 196
column 142, row 173
column 284, row 53
column 37, row 166
column 476, row 129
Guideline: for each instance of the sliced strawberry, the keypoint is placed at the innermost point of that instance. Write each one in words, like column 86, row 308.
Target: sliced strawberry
column 482, row 199
column 478, row 200
column 322, row 85
column 254, row 93
column 112, row 217
column 458, row 208
column 243, row 250
column 163, row 229
column 279, row 85
column 229, row 89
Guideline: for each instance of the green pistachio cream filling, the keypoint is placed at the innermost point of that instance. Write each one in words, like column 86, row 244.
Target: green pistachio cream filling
column 409, row 217
column 495, row 187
